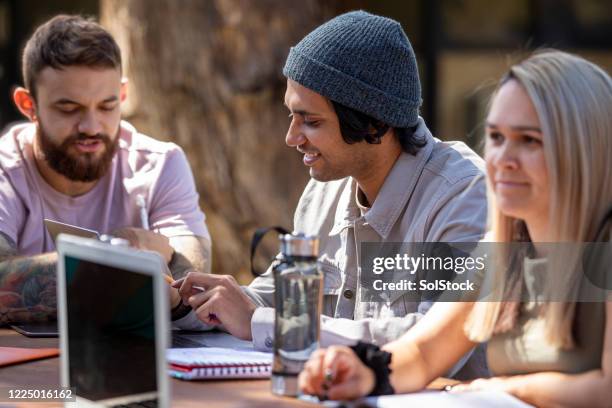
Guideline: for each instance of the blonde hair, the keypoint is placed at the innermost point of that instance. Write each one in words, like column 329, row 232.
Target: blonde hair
column 573, row 100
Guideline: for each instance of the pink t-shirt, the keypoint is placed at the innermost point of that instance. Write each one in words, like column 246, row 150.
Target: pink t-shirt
column 157, row 170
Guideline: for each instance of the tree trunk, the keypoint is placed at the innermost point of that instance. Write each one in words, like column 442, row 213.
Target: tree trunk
column 207, row 75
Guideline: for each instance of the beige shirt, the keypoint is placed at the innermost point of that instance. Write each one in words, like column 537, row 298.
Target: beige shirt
column 524, row 349
column 438, row 195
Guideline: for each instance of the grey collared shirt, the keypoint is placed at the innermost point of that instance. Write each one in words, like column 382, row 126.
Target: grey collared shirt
column 439, row 195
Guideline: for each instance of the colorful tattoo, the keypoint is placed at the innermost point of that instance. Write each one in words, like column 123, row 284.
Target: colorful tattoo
column 28, row 289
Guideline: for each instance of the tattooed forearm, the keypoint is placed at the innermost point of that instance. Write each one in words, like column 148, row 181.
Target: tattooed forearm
column 191, row 253
column 28, row 289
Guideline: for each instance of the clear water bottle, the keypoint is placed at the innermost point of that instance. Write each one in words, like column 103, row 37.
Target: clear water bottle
column 298, row 299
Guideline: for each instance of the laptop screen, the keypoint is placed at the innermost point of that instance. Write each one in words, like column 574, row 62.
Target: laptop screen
column 111, row 330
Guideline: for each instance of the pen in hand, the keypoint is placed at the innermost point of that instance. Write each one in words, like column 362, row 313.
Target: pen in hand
column 328, row 380
column 177, row 283
column 144, row 216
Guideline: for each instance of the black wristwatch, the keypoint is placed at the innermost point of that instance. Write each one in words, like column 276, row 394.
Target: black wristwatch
column 378, row 361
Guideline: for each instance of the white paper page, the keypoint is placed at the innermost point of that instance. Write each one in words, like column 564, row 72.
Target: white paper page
column 216, row 355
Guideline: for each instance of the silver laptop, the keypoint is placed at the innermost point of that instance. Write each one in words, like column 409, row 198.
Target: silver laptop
column 113, row 321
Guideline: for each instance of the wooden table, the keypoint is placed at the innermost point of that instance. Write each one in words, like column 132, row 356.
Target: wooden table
column 223, row 393
column 210, row 394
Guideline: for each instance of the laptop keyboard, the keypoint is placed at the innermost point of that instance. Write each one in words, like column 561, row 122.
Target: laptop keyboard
column 140, row 404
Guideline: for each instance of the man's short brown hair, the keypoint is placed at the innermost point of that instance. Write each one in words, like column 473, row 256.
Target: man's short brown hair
column 68, row 40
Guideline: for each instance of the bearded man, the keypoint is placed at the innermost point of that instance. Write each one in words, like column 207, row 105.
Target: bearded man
column 76, row 162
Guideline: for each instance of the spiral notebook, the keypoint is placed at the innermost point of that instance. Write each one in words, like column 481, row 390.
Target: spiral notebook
column 211, row 363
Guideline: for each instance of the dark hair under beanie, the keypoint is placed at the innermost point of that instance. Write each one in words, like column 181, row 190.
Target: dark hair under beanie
column 362, row 61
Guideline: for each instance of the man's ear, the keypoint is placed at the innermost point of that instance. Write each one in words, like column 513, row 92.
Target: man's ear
column 123, row 90
column 25, row 102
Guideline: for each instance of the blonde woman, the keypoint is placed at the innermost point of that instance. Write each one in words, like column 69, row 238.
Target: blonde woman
column 548, row 149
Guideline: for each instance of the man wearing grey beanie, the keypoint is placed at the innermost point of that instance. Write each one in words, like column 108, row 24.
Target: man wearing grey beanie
column 378, row 175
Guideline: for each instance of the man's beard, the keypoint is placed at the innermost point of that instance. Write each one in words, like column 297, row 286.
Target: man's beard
column 85, row 167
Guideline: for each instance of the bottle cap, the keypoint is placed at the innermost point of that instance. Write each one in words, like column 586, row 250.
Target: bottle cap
column 299, row 244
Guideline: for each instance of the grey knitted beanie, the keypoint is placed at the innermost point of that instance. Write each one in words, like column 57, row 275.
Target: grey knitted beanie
column 362, row 61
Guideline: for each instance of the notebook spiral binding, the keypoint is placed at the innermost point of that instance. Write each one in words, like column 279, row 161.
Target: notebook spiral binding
column 221, row 371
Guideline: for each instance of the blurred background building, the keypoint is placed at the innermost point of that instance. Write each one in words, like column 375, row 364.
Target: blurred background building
column 210, row 73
